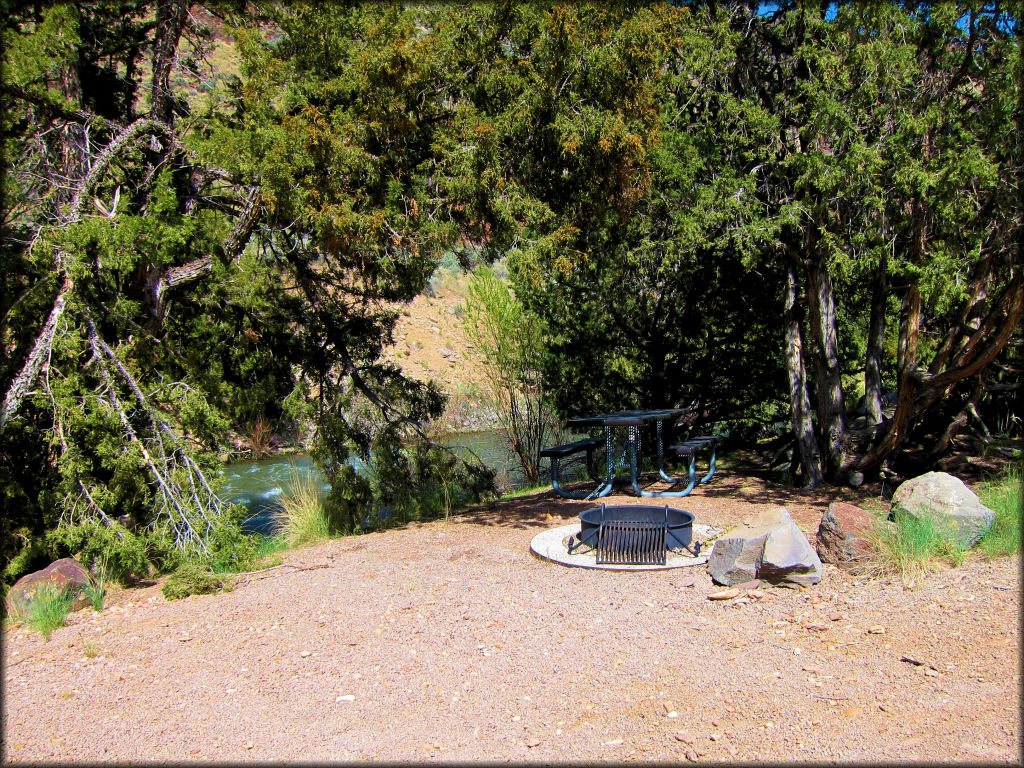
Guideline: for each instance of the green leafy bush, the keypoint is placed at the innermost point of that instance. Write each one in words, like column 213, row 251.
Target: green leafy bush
column 231, row 550
column 123, row 554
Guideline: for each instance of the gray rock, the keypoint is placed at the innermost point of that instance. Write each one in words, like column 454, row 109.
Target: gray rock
column 770, row 547
column 946, row 500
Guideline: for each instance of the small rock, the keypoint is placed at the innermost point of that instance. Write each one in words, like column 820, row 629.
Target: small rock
column 931, row 672
column 835, row 617
column 346, row 697
column 724, row 594
column 691, row 756
column 673, row 713
column 878, row 629
column 816, row 627
column 613, row 742
column 911, row 660
column 684, row 737
column 304, row 654
column 533, row 743
column 752, row 584
column 714, row 737
column 688, row 583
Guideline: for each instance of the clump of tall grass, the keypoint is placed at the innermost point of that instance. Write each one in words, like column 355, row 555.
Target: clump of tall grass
column 96, row 588
column 47, row 609
column 909, row 546
column 1005, row 496
column 301, row 517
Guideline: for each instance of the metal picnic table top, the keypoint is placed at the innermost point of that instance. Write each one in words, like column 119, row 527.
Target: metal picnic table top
column 628, row 418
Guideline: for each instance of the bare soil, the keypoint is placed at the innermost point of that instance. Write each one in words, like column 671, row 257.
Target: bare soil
column 448, row 641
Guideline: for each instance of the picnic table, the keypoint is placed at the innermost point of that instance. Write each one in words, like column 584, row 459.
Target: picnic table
column 632, row 421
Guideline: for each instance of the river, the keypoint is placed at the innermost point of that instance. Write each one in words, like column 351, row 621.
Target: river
column 259, row 484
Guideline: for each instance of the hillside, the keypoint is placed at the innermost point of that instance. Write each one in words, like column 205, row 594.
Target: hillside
column 431, row 344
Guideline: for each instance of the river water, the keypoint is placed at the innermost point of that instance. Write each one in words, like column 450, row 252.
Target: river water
column 259, row 484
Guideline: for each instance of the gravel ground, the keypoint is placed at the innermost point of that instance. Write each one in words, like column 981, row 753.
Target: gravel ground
column 450, row 642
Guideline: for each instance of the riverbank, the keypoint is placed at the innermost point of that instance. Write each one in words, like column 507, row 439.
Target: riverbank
column 451, row 642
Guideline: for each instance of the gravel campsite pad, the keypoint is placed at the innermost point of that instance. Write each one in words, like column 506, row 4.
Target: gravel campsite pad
column 449, row 641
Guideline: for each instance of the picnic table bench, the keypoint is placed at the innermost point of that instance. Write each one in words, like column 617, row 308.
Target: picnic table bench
column 557, row 452
column 692, row 446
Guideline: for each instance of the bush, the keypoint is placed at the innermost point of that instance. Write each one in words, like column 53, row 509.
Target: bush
column 122, row 553
column 192, row 579
column 232, row 550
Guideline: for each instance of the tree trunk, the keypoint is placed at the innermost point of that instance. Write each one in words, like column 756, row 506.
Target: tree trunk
column 800, row 405
column 876, row 342
column 171, row 16
column 910, row 324
column 827, row 374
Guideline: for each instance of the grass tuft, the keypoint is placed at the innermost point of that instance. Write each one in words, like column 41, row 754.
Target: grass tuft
column 47, row 610
column 301, row 517
column 96, row 589
column 1005, row 496
column 910, row 547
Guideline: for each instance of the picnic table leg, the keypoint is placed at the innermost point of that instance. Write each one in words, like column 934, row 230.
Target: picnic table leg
column 711, row 471
column 601, row 490
column 661, row 463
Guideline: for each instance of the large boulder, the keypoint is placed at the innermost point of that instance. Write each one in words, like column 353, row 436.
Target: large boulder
column 66, row 572
column 845, row 536
column 770, row 547
column 946, row 500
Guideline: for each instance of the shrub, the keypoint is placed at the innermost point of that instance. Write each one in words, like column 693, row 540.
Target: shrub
column 192, row 579
column 231, row 550
column 122, row 553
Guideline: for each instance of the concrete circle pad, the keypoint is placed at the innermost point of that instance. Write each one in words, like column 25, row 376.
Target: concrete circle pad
column 551, row 545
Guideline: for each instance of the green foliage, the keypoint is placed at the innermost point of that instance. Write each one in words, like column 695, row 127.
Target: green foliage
column 47, row 610
column 121, row 554
column 512, row 341
column 193, row 579
column 229, row 548
column 1005, row 496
